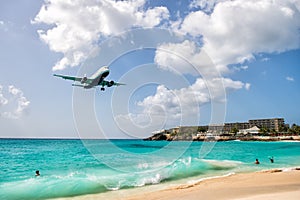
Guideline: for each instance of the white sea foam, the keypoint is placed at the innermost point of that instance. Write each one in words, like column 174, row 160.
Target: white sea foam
column 288, row 169
column 143, row 165
column 222, row 163
column 193, row 182
column 152, row 165
column 150, row 180
column 111, row 188
column 186, row 161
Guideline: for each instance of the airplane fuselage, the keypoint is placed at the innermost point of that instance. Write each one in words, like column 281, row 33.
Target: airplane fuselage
column 97, row 77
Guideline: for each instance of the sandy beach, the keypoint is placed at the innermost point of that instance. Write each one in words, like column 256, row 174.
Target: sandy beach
column 264, row 185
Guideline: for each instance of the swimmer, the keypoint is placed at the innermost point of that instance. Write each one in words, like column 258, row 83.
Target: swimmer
column 37, row 173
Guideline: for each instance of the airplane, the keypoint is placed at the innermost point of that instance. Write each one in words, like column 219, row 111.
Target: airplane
column 96, row 79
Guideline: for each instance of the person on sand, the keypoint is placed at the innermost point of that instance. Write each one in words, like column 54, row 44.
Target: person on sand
column 256, row 161
column 37, row 173
column 271, row 159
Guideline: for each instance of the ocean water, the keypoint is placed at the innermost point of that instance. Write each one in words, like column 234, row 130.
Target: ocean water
column 77, row 167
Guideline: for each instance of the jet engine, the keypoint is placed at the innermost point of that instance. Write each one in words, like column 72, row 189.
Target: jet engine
column 84, row 79
column 110, row 83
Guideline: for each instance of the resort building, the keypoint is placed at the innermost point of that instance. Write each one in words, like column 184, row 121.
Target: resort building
column 275, row 123
column 252, row 126
column 215, row 128
column 238, row 125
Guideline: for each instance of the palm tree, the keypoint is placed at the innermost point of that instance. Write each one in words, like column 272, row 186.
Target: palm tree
column 264, row 130
column 234, row 130
column 295, row 129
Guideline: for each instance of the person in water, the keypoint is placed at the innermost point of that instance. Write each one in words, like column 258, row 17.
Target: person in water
column 256, row 161
column 271, row 159
column 37, row 173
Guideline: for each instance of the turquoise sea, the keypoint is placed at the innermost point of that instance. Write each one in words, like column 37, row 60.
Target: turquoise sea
column 77, row 167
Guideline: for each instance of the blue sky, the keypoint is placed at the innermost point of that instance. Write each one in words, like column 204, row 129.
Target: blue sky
column 184, row 63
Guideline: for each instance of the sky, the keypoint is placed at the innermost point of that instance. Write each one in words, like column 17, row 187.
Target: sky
column 194, row 62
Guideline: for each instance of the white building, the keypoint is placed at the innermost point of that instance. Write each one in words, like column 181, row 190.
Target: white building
column 253, row 130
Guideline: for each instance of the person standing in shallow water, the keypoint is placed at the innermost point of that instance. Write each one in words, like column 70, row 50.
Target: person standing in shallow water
column 272, row 159
column 256, row 161
column 37, row 173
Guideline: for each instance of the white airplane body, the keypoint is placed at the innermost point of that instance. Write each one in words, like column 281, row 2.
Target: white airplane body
column 93, row 81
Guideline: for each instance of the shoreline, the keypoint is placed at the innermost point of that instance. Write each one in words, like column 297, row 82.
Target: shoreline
column 267, row 184
column 162, row 137
column 222, row 138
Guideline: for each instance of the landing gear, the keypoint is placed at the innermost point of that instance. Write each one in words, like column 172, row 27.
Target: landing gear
column 102, row 89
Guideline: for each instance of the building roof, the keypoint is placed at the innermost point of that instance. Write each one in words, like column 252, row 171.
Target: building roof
column 253, row 129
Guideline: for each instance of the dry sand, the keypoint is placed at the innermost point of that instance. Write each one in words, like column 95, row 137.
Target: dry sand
column 272, row 184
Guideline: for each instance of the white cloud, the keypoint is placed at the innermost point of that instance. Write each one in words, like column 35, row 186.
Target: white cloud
column 265, row 59
column 288, row 78
column 5, row 25
column 186, row 58
column 205, row 5
column 80, row 24
column 181, row 103
column 152, row 17
column 247, row 86
column 232, row 32
column 238, row 30
column 14, row 91
column 3, row 100
column 173, row 107
column 239, row 68
column 14, row 104
column 244, row 67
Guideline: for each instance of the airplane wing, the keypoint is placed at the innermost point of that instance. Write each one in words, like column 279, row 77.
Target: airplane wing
column 74, row 78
